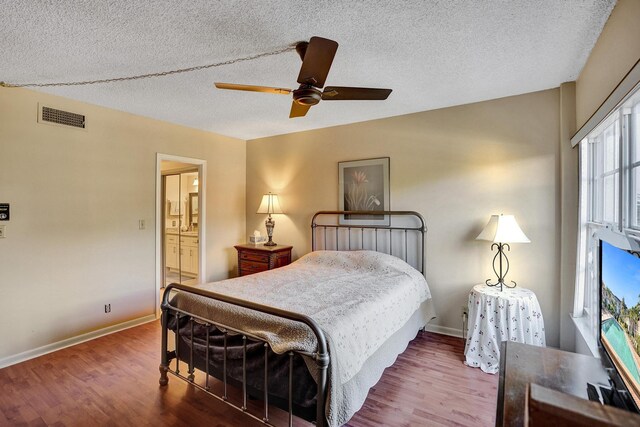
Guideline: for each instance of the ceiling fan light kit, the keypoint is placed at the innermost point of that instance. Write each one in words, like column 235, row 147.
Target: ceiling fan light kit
column 317, row 56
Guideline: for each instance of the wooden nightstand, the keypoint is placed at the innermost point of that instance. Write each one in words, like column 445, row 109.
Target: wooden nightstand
column 254, row 259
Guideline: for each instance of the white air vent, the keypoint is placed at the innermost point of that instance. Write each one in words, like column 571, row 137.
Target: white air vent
column 60, row 117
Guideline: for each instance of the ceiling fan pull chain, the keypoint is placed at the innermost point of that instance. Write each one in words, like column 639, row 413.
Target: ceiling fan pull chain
column 151, row 75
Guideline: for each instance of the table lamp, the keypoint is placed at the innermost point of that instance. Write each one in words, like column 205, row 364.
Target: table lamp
column 270, row 205
column 502, row 230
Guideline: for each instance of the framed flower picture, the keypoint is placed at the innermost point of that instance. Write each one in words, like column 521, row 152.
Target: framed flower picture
column 363, row 185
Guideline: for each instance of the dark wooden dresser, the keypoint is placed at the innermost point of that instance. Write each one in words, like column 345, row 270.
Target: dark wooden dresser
column 254, row 259
column 521, row 364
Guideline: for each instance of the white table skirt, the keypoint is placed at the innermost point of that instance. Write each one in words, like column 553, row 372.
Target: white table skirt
column 496, row 316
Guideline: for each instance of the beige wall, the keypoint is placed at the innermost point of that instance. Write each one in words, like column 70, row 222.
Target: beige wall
column 615, row 53
column 569, row 213
column 76, row 196
column 456, row 166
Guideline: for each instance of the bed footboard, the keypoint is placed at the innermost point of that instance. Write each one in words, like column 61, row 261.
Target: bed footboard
column 321, row 356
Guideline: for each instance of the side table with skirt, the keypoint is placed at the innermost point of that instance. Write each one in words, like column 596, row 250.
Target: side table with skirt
column 512, row 314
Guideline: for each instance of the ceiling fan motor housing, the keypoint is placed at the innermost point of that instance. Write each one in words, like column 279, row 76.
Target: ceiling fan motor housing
column 307, row 95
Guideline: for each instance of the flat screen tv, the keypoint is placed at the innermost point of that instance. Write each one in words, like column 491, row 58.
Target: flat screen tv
column 619, row 332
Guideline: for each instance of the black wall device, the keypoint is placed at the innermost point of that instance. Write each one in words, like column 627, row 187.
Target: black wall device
column 4, row 211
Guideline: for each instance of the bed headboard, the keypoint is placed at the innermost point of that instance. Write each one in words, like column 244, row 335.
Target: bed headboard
column 398, row 233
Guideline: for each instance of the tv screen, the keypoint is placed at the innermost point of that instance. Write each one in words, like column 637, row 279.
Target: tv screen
column 620, row 314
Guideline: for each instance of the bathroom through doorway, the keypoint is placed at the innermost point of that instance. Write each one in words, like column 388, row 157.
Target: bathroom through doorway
column 181, row 221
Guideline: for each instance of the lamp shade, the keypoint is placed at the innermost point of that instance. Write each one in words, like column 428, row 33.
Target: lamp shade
column 270, row 204
column 503, row 229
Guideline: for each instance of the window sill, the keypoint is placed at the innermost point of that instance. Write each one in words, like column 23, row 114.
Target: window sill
column 582, row 328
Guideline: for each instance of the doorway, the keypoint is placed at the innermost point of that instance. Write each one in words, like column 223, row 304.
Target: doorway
column 180, row 189
column 180, row 203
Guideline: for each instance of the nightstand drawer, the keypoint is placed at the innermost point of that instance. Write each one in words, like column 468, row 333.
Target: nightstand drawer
column 252, row 256
column 253, row 267
column 254, row 259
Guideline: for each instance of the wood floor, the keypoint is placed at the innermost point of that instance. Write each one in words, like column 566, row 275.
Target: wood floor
column 113, row 381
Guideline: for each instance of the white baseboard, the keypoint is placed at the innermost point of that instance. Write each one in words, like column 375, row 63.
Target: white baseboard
column 49, row 348
column 444, row 330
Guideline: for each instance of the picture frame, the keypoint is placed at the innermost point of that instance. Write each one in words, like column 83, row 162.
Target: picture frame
column 363, row 185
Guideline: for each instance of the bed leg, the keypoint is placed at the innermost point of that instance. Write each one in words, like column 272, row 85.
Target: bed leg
column 164, row 378
column 164, row 357
column 322, row 362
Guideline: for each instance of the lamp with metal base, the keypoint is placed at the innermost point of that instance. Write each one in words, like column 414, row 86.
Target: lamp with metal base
column 270, row 205
column 502, row 230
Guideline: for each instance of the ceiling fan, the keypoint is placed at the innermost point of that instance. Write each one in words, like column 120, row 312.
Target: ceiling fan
column 317, row 56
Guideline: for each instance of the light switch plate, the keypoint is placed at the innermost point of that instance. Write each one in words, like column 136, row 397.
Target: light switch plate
column 141, row 224
column 3, row 232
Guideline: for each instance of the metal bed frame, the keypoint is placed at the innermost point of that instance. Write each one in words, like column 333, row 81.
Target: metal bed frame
column 321, row 356
column 374, row 232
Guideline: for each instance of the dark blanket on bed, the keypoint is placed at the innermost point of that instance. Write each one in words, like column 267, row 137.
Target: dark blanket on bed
column 304, row 387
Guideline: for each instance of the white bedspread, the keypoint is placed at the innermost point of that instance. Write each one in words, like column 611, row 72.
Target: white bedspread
column 359, row 299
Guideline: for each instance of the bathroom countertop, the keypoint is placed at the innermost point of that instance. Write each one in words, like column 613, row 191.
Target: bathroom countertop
column 183, row 233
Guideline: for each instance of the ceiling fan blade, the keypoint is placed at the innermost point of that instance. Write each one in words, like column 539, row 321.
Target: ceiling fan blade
column 298, row 110
column 250, row 88
column 317, row 61
column 342, row 93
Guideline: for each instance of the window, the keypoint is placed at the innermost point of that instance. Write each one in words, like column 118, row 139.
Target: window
column 634, row 166
column 604, row 159
column 609, row 194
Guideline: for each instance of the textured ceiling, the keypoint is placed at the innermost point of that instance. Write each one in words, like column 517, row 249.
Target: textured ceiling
column 432, row 54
